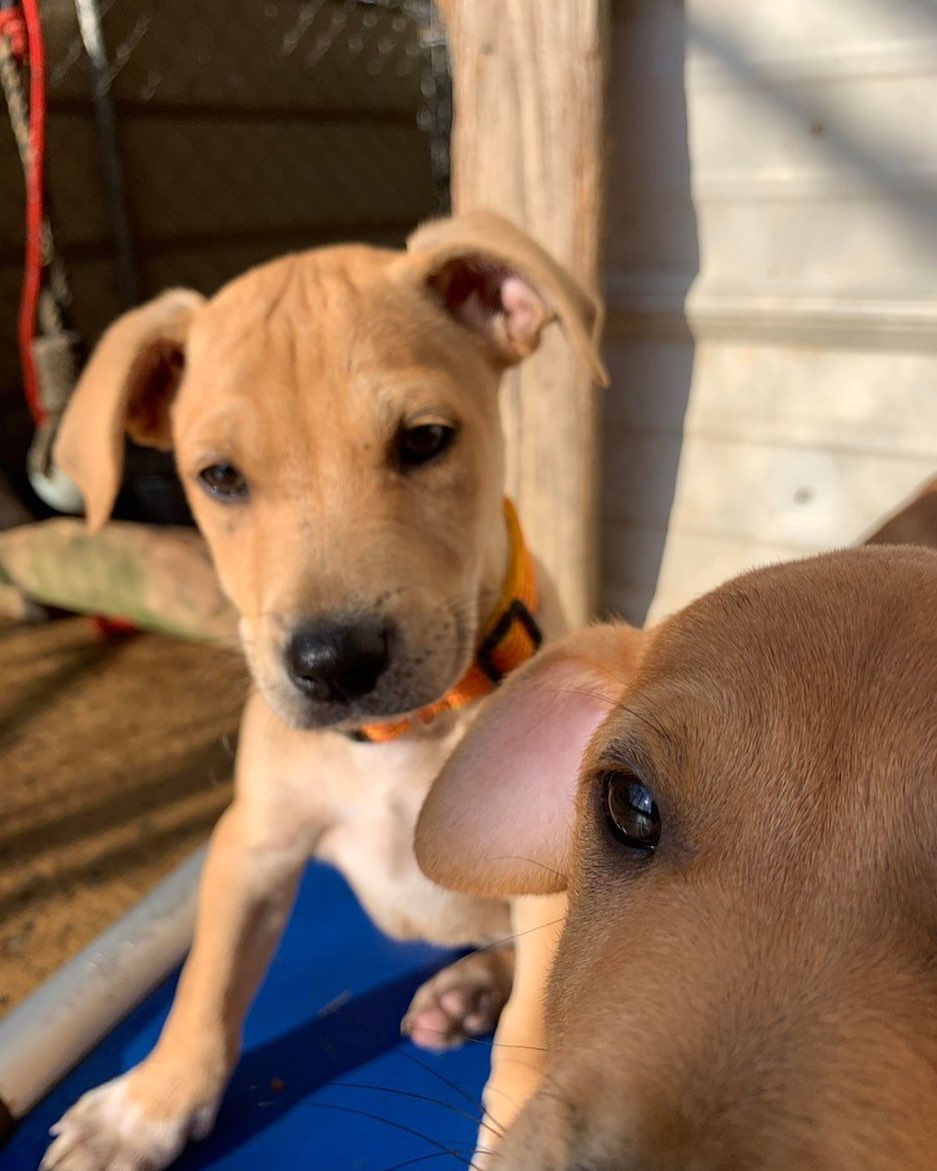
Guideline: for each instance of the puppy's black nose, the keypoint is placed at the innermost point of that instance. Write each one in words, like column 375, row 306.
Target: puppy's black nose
column 338, row 661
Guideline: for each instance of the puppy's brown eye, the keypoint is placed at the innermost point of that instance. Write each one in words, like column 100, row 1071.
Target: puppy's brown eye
column 223, row 481
column 418, row 445
column 631, row 811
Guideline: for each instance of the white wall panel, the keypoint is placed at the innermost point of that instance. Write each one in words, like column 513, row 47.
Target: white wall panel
column 771, row 279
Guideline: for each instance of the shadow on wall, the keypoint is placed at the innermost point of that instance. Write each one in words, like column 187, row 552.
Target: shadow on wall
column 652, row 259
column 882, row 156
column 811, row 195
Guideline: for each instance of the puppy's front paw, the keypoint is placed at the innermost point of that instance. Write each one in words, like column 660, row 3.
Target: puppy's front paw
column 109, row 1130
column 462, row 1001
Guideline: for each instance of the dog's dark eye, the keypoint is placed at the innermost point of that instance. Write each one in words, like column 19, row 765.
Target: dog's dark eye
column 631, row 811
column 418, row 445
column 223, row 481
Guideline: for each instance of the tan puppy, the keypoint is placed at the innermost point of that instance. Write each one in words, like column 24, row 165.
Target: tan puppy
column 334, row 417
column 747, row 979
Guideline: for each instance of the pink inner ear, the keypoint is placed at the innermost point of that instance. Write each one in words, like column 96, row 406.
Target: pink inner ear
column 500, row 816
column 525, row 312
column 494, row 301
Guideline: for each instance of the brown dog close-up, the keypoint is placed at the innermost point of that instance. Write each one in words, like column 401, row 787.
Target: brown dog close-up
column 747, row 977
column 334, row 418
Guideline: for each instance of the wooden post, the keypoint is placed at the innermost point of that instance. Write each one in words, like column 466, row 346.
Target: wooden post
column 528, row 141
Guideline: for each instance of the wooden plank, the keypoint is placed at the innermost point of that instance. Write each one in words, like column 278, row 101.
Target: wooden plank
column 527, row 141
column 811, row 496
column 784, row 450
column 847, row 399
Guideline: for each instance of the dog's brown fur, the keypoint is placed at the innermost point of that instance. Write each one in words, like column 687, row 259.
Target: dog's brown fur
column 303, row 375
column 761, row 991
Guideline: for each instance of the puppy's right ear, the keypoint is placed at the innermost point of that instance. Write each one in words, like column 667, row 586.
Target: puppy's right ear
column 497, row 281
column 127, row 386
column 498, row 820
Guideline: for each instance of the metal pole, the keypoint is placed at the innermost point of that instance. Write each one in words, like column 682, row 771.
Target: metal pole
column 92, row 36
column 49, row 1033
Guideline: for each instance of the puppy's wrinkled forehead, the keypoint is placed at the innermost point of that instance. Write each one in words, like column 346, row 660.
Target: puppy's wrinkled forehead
column 332, row 313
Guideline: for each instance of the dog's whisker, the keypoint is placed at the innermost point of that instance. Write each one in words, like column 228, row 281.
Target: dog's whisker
column 501, row 942
column 495, row 1044
column 491, row 1122
column 598, row 694
column 532, row 862
column 655, row 727
column 442, row 1148
column 427, row 1068
column 412, row 1094
column 423, row 1159
column 565, row 688
column 486, row 1040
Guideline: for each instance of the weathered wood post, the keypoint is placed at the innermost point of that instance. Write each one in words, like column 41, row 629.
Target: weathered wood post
column 528, row 141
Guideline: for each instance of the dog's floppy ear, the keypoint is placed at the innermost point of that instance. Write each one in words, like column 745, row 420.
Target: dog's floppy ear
column 499, row 818
column 495, row 279
column 127, row 386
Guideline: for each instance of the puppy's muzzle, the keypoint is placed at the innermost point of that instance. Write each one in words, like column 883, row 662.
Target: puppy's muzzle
column 338, row 662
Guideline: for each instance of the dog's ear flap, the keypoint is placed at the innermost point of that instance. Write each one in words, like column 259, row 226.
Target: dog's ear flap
column 495, row 279
column 127, row 386
column 499, row 818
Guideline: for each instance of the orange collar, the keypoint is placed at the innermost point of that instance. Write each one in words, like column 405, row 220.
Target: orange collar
column 511, row 638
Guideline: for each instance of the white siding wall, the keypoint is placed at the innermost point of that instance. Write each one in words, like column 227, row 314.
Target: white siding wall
column 771, row 281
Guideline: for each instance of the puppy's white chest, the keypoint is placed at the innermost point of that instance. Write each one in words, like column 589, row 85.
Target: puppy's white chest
column 371, row 843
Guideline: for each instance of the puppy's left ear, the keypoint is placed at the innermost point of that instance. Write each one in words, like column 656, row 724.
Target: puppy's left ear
column 499, row 818
column 127, row 387
column 495, row 279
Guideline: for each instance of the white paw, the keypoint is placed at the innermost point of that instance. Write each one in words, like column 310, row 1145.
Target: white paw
column 462, row 1001
column 106, row 1130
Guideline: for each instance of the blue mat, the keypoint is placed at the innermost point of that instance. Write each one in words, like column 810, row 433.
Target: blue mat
column 325, row 1081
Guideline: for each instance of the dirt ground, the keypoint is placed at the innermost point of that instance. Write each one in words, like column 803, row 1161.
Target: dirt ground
column 115, row 761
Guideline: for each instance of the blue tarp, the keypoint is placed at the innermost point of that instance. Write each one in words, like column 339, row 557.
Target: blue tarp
column 325, row 1081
